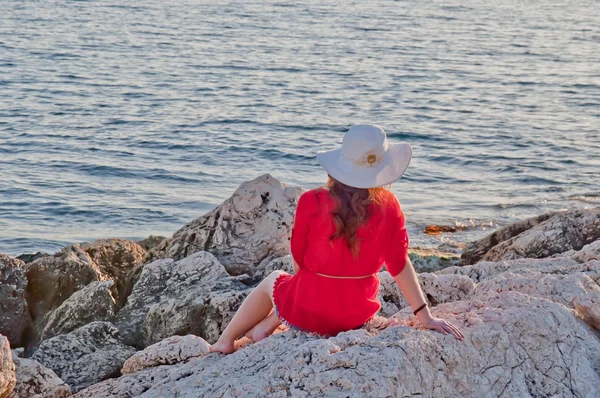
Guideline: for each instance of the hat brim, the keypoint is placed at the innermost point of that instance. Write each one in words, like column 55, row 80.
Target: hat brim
column 396, row 162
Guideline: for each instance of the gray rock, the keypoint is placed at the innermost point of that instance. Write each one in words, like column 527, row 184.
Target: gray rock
column 7, row 369
column 120, row 260
column 587, row 253
column 169, row 351
column 30, row 257
column 558, row 233
column 37, row 381
column 53, row 279
column 94, row 302
column 476, row 250
column 515, row 345
column 85, row 356
column 150, row 242
column 245, row 232
column 194, row 295
column 438, row 288
column 14, row 311
column 284, row 263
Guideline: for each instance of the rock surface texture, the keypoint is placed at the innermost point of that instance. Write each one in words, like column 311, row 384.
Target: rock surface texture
column 7, row 369
column 37, row 381
column 193, row 295
column 245, row 232
column 54, row 279
column 169, row 351
column 14, row 311
column 540, row 237
column 499, row 357
column 94, row 302
column 120, row 260
column 85, row 356
column 529, row 327
column 529, row 309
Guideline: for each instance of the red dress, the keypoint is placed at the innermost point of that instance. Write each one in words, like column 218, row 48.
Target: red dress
column 328, row 306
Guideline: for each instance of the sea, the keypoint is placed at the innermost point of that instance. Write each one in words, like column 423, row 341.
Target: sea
column 126, row 119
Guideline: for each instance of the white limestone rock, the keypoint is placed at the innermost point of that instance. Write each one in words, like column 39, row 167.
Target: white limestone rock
column 85, row 356
column 7, row 369
column 437, row 289
column 515, row 345
column 245, row 232
column 561, row 232
column 169, row 351
column 587, row 253
column 194, row 295
column 476, row 250
column 37, row 381
column 560, row 288
column 94, row 302
column 14, row 311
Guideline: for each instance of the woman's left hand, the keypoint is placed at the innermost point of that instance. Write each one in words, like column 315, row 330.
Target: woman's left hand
column 445, row 327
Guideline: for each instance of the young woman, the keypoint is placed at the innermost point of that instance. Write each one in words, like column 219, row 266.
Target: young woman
column 342, row 236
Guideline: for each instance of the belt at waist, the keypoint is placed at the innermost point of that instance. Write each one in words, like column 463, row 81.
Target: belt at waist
column 338, row 277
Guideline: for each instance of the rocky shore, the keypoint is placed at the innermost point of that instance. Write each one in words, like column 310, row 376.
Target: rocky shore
column 117, row 318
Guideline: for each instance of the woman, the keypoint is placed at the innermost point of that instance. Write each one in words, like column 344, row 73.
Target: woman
column 343, row 234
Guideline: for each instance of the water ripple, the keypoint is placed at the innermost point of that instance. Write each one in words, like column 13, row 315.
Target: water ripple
column 132, row 119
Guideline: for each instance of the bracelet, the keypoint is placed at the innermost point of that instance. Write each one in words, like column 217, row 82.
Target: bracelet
column 420, row 308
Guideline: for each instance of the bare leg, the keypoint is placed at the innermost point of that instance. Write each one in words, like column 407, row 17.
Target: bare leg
column 257, row 306
column 264, row 328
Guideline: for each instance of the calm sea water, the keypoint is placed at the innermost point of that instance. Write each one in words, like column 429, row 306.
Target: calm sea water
column 124, row 119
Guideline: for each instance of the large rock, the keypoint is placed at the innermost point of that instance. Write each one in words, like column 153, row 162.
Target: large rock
column 120, row 260
column 14, row 311
column 7, row 369
column 94, row 302
column 515, row 345
column 528, row 327
column 53, row 279
column 438, row 288
column 85, row 356
column 169, row 351
column 37, row 381
column 558, row 233
column 194, row 295
column 476, row 250
column 245, row 232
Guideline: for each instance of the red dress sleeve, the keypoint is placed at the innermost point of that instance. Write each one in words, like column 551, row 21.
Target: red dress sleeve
column 306, row 209
column 397, row 251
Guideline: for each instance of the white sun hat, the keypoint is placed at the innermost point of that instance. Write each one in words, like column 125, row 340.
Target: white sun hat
column 366, row 158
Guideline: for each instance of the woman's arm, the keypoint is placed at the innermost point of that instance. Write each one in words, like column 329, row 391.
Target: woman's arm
column 296, row 266
column 409, row 284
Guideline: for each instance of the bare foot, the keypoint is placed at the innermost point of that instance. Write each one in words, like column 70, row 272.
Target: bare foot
column 225, row 348
column 259, row 332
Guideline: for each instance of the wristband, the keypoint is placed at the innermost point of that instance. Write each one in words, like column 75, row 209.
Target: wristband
column 420, row 308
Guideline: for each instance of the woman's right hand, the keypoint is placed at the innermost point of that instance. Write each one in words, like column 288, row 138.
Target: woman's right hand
column 444, row 327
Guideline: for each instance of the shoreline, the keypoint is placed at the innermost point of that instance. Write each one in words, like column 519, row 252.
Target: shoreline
column 114, row 317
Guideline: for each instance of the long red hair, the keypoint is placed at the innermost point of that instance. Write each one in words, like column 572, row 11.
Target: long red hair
column 352, row 209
